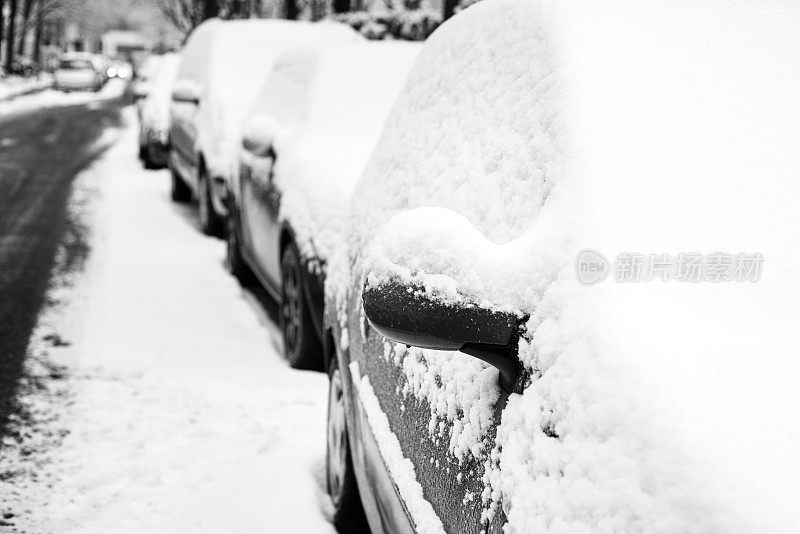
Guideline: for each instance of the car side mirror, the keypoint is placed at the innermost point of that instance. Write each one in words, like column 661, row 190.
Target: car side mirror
column 140, row 90
column 258, row 136
column 407, row 315
column 186, row 92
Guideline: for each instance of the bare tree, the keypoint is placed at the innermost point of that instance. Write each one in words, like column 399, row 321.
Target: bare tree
column 186, row 15
column 37, row 36
column 12, row 19
column 292, row 10
column 2, row 26
column 24, row 26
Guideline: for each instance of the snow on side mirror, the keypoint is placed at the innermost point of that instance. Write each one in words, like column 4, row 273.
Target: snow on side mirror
column 186, row 91
column 140, row 90
column 406, row 314
column 259, row 134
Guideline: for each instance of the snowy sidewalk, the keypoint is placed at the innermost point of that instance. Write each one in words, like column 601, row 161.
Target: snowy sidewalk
column 182, row 415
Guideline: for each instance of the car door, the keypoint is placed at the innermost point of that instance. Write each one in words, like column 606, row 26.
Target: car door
column 260, row 202
column 406, row 382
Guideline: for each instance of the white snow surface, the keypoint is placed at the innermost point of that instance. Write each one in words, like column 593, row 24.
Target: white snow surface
column 12, row 86
column 319, row 160
column 229, row 61
column 530, row 130
column 181, row 414
column 115, row 88
column 155, row 106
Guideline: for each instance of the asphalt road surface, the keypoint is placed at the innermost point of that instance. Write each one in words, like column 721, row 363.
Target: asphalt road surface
column 41, row 152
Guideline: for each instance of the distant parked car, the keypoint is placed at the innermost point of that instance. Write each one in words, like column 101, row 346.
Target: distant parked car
column 153, row 111
column 308, row 138
column 221, row 71
column 79, row 72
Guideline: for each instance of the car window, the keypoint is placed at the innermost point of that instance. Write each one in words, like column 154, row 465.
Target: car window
column 284, row 94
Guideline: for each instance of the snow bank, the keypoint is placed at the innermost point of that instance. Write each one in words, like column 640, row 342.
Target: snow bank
column 529, row 131
column 229, row 60
column 155, row 107
column 180, row 414
column 13, row 86
column 319, row 160
column 115, row 88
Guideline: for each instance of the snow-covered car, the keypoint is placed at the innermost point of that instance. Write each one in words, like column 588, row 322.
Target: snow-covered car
column 308, row 138
column 140, row 86
column 153, row 113
column 79, row 72
column 530, row 326
column 223, row 65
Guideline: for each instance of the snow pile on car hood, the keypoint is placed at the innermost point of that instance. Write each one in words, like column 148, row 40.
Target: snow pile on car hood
column 155, row 107
column 654, row 128
column 351, row 92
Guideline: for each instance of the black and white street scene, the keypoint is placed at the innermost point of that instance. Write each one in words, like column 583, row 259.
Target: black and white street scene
column 399, row 266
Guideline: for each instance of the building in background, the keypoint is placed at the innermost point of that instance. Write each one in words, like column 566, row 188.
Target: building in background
column 123, row 43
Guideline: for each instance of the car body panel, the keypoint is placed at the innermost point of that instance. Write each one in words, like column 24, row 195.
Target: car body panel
column 453, row 490
column 261, row 230
column 380, row 496
column 183, row 154
column 256, row 217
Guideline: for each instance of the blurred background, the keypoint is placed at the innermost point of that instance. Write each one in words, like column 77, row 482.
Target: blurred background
column 34, row 32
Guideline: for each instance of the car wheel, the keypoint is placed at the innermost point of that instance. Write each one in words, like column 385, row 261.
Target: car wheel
column 301, row 347
column 145, row 154
column 348, row 512
column 210, row 222
column 180, row 191
column 148, row 161
column 233, row 252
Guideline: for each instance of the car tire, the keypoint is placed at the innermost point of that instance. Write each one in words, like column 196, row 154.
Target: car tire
column 301, row 346
column 234, row 260
column 210, row 222
column 348, row 512
column 148, row 162
column 180, row 191
column 144, row 155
